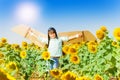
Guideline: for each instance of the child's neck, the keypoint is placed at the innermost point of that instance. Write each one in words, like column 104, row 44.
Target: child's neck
column 52, row 38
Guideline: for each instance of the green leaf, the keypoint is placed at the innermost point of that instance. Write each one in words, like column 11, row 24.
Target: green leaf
column 107, row 66
column 100, row 61
column 118, row 65
column 108, row 57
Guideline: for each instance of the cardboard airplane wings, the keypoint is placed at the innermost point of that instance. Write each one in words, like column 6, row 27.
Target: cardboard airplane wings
column 23, row 30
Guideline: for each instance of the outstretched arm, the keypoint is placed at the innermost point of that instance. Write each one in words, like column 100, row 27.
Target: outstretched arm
column 75, row 36
column 40, row 38
column 32, row 33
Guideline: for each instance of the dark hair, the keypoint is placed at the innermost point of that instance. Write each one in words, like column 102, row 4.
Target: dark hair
column 51, row 29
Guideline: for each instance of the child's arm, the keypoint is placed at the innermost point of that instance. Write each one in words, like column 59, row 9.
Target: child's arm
column 32, row 33
column 75, row 36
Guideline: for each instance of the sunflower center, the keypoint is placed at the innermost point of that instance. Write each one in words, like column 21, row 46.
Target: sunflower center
column 24, row 44
column 4, row 40
column 56, row 72
column 70, row 77
column 23, row 54
column 66, row 48
column 93, row 48
column 98, row 78
column 46, row 55
column 16, row 46
column 12, row 66
column 73, row 50
column 118, row 34
column 114, row 43
column 75, row 58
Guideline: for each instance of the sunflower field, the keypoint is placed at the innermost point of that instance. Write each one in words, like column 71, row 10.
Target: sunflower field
column 93, row 60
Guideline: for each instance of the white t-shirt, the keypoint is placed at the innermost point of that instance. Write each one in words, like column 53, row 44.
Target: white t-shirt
column 55, row 45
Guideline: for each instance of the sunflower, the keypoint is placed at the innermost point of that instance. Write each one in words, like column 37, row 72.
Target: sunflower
column 3, row 40
column 56, row 73
column 37, row 47
column 46, row 55
column 98, row 77
column 115, row 44
column 100, row 34
column 92, row 43
column 74, row 59
column 15, row 46
column 69, row 76
column 10, row 77
column 1, row 55
column 32, row 45
column 103, row 28
column 12, row 66
column 116, row 33
column 92, row 48
column 23, row 54
column 83, row 42
column 83, row 78
column 3, row 75
column 65, row 49
column 72, row 51
column 24, row 45
column 76, row 45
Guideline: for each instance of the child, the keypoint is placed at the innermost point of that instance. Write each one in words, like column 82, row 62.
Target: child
column 55, row 44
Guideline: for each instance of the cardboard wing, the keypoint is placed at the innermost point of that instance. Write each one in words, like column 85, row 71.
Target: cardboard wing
column 23, row 30
column 86, row 36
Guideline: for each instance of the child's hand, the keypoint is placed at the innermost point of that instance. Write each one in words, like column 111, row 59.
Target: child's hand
column 78, row 35
column 31, row 32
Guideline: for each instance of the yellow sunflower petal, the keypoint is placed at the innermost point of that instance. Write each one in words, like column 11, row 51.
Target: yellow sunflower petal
column 3, row 40
column 5, row 76
column 72, row 51
column 98, row 77
column 83, row 78
column 92, row 43
column 115, row 44
column 69, row 76
column 11, row 66
column 65, row 49
column 24, row 45
column 74, row 59
column 10, row 77
column 100, row 34
column 116, row 33
column 56, row 73
column 46, row 55
column 92, row 48
column 23, row 54
column 103, row 28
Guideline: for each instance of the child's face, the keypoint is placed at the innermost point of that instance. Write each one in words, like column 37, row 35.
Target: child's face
column 52, row 34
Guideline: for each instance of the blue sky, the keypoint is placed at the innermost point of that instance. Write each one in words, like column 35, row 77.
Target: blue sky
column 64, row 15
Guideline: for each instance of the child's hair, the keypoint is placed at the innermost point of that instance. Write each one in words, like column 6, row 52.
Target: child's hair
column 51, row 29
